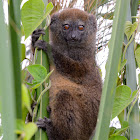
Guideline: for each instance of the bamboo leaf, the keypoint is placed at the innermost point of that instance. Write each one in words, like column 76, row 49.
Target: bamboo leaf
column 15, row 36
column 7, row 90
column 33, row 15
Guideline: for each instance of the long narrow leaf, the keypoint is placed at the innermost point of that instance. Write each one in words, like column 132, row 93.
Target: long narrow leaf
column 14, row 19
column 6, row 81
column 112, row 70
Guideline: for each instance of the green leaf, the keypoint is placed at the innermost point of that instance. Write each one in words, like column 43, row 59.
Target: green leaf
column 139, row 79
column 38, row 72
column 121, row 117
column 23, row 52
column 36, row 85
column 112, row 131
column 122, row 99
column 26, row 98
column 137, row 55
column 123, row 64
column 125, row 126
column 118, row 138
column 30, row 129
column 19, row 126
column 130, row 28
column 33, row 15
column 40, row 75
column 26, row 130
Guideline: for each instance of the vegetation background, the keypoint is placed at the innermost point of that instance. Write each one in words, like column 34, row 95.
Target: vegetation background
column 17, row 88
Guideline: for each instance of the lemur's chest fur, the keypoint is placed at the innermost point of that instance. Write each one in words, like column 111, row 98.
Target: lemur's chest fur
column 60, row 82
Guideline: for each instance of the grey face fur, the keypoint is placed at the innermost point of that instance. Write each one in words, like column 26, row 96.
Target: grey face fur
column 73, row 35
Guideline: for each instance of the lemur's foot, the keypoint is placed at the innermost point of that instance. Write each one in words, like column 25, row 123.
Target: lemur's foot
column 45, row 124
column 41, row 45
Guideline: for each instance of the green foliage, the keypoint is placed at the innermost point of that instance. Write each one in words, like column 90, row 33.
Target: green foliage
column 130, row 28
column 33, row 14
column 123, row 64
column 121, row 130
column 7, row 78
column 25, row 101
column 26, row 131
column 39, row 74
column 139, row 79
column 118, row 138
column 0, row 130
column 112, row 70
column 108, row 15
column 94, row 4
column 137, row 55
column 23, row 52
column 123, row 98
column 121, row 117
column 15, row 104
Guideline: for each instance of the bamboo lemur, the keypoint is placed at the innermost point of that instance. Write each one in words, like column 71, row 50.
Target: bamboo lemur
column 76, row 84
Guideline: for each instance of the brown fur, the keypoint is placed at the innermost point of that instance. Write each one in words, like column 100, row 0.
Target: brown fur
column 76, row 84
column 75, row 92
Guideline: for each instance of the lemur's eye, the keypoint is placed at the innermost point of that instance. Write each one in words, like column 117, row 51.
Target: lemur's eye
column 81, row 27
column 66, row 27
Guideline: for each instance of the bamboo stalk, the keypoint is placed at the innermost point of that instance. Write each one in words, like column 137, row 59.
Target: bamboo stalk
column 43, row 60
column 131, row 78
column 112, row 70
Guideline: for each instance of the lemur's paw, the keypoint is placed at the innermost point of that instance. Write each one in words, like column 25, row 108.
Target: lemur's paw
column 36, row 34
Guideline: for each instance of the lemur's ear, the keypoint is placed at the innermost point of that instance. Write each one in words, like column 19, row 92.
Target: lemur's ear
column 93, row 23
column 54, row 21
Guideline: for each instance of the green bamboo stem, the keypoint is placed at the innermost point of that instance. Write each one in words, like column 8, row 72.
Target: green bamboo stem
column 131, row 77
column 115, row 47
column 42, row 58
